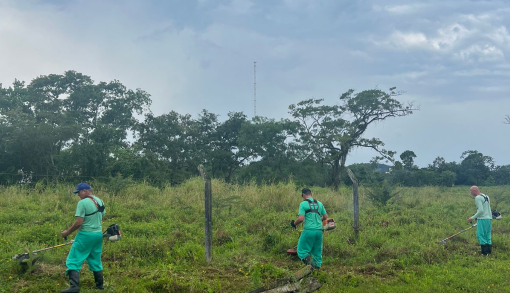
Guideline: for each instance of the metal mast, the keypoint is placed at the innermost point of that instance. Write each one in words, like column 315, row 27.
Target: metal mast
column 254, row 89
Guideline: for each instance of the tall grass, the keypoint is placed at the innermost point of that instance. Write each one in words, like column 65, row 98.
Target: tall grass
column 163, row 236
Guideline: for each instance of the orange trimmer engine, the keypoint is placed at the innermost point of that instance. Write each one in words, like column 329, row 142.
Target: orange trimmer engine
column 328, row 224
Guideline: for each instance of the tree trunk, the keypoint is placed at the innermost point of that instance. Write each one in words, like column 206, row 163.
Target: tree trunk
column 336, row 170
column 342, row 167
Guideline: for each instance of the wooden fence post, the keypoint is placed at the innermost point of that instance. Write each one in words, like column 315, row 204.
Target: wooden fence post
column 355, row 202
column 208, row 213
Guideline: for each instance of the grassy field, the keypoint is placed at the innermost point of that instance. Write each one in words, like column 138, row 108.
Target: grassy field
column 163, row 235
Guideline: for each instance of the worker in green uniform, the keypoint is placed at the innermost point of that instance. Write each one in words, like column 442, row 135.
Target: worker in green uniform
column 312, row 213
column 483, row 219
column 88, row 243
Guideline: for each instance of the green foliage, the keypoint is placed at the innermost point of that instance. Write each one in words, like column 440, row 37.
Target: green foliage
column 271, row 240
column 351, row 280
column 264, row 274
column 64, row 125
column 381, row 192
column 68, row 128
column 365, row 174
column 407, row 158
column 447, row 178
column 475, row 167
column 329, row 136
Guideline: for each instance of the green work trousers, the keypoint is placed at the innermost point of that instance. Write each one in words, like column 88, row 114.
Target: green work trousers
column 310, row 243
column 483, row 231
column 87, row 246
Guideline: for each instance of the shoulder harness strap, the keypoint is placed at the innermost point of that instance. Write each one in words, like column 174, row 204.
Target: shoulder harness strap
column 100, row 208
column 314, row 206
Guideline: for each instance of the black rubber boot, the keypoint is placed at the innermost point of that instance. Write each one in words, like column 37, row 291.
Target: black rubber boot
column 489, row 248
column 98, row 278
column 484, row 249
column 74, row 280
column 306, row 260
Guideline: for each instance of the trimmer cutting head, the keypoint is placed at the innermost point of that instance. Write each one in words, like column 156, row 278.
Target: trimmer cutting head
column 27, row 259
column 292, row 251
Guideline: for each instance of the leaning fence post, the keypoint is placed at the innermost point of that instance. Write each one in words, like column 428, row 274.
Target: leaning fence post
column 208, row 213
column 355, row 202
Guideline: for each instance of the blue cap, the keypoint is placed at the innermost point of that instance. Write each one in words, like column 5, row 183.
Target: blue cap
column 82, row 186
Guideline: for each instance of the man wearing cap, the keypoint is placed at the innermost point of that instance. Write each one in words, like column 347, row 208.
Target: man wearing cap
column 312, row 213
column 88, row 243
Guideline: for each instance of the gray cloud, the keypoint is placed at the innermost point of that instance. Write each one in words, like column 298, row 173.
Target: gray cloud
column 451, row 57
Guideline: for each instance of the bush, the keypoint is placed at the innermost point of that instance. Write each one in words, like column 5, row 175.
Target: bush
column 381, row 192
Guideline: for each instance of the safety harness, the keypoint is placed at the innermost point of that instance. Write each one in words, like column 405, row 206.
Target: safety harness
column 100, row 208
column 314, row 207
column 495, row 214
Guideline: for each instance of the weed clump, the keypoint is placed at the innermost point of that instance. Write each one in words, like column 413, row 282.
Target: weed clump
column 380, row 193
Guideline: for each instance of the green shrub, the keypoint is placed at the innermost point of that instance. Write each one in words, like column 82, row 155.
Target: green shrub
column 381, row 192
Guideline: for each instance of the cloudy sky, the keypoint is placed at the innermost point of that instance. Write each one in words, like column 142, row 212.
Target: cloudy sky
column 450, row 57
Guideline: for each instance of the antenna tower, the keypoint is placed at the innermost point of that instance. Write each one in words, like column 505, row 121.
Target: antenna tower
column 254, row 89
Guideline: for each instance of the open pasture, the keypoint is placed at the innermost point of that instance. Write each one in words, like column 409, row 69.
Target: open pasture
column 162, row 246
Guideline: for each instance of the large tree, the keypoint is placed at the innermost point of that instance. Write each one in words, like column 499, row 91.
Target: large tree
column 439, row 165
column 501, row 175
column 271, row 147
column 66, row 124
column 34, row 127
column 174, row 139
column 331, row 132
column 102, row 112
column 475, row 168
column 227, row 154
column 407, row 158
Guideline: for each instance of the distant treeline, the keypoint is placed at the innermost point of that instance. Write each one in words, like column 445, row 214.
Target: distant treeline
column 68, row 128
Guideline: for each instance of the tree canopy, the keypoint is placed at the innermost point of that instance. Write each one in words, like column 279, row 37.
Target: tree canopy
column 331, row 132
column 69, row 128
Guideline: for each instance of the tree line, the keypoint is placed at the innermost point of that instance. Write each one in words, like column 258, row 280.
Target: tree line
column 69, row 128
column 474, row 169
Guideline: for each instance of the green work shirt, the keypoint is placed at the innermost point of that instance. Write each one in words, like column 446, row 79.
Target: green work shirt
column 483, row 207
column 313, row 221
column 91, row 223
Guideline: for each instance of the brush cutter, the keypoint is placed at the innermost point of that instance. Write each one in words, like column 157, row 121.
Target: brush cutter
column 26, row 260
column 327, row 225
column 495, row 216
column 112, row 233
column 443, row 242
